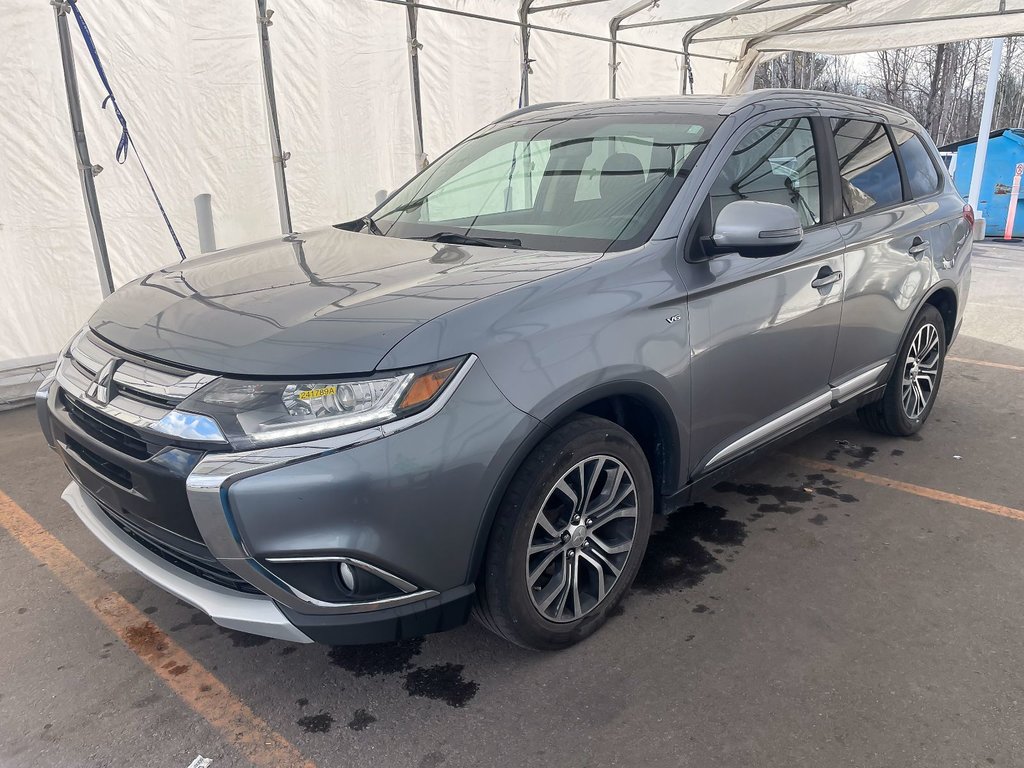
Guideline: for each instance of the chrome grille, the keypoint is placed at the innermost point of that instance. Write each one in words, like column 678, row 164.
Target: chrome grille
column 143, row 395
column 108, row 431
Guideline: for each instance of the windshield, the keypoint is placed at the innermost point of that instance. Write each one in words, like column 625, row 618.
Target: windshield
column 576, row 184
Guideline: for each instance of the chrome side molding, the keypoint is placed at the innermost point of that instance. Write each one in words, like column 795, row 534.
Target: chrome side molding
column 859, row 384
column 808, row 410
column 836, row 395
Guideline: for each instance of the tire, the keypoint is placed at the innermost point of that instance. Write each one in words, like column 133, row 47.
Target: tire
column 901, row 413
column 520, row 595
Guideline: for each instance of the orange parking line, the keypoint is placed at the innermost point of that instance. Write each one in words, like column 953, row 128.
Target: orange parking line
column 249, row 734
column 917, row 490
column 1004, row 366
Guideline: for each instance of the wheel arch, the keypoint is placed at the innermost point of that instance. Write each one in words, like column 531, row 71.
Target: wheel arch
column 944, row 298
column 639, row 403
column 645, row 413
column 941, row 295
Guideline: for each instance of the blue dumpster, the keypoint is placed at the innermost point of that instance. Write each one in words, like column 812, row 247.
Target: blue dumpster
column 1005, row 152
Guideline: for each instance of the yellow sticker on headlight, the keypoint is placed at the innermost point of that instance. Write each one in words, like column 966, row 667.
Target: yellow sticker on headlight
column 312, row 394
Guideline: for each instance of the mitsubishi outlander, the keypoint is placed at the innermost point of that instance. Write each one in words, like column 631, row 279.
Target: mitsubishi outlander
column 474, row 399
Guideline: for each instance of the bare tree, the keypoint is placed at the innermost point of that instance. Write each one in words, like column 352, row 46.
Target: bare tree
column 941, row 85
column 936, row 92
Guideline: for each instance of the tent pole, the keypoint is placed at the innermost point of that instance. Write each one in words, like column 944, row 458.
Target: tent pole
column 263, row 23
column 986, row 125
column 86, row 170
column 713, row 21
column 744, row 76
column 412, row 30
column 613, row 64
column 524, row 46
column 732, row 13
column 682, row 69
column 566, row 4
column 613, row 39
column 768, row 35
column 553, row 30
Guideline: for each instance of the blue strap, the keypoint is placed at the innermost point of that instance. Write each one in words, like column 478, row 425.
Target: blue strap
column 126, row 140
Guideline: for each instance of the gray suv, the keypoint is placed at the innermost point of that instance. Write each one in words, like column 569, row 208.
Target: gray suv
column 475, row 399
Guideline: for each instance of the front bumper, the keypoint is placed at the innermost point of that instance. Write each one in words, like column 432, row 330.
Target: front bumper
column 258, row 614
column 405, row 500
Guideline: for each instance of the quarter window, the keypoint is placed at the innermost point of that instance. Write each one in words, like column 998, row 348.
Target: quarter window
column 868, row 172
column 776, row 163
column 917, row 163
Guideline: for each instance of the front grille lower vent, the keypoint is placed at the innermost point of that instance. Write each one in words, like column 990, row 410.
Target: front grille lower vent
column 206, row 566
column 108, row 469
column 108, row 431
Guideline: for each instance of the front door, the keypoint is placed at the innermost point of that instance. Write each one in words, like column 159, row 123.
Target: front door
column 764, row 330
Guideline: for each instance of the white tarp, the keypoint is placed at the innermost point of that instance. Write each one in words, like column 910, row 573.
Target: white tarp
column 188, row 78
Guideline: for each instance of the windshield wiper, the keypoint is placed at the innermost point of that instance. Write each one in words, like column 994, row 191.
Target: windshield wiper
column 362, row 224
column 458, row 239
column 371, row 226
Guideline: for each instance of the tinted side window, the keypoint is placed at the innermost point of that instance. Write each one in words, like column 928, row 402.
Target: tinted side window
column 917, row 163
column 868, row 173
column 775, row 163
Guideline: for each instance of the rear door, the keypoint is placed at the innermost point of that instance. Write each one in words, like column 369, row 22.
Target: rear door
column 888, row 241
column 945, row 231
column 763, row 336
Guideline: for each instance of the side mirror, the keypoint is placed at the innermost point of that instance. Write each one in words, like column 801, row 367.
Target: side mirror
column 756, row 229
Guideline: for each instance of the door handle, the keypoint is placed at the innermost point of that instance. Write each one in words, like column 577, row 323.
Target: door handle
column 825, row 280
column 918, row 248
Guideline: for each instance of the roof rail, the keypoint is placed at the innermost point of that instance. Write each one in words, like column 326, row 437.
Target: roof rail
column 531, row 108
column 780, row 94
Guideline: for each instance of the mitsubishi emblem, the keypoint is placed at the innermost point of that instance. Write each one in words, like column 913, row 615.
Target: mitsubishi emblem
column 101, row 389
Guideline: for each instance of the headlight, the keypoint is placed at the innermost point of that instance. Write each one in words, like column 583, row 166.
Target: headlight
column 254, row 414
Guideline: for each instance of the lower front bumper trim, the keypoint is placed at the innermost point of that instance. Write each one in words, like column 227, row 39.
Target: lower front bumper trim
column 445, row 611
column 230, row 609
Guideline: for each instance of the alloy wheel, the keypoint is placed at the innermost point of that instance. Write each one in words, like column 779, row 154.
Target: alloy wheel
column 920, row 371
column 581, row 539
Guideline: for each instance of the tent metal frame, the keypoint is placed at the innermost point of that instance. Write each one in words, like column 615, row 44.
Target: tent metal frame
column 280, row 157
column 87, row 172
column 617, row 24
column 868, row 25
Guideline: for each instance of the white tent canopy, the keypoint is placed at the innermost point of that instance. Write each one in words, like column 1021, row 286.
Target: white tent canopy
column 188, row 76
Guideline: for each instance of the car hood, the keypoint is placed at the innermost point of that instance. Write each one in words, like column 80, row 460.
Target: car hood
column 316, row 303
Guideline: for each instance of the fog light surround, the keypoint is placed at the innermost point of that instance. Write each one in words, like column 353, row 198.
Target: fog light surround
column 339, row 579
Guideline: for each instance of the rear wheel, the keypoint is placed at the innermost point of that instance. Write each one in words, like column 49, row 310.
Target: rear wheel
column 914, row 383
column 569, row 536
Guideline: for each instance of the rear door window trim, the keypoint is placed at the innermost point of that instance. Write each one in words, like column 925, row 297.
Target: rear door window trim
column 940, row 170
column 828, row 117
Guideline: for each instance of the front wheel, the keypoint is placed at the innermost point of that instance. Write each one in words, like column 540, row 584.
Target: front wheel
column 569, row 536
column 914, row 383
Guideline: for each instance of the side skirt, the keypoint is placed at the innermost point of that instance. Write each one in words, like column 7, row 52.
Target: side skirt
column 703, row 483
